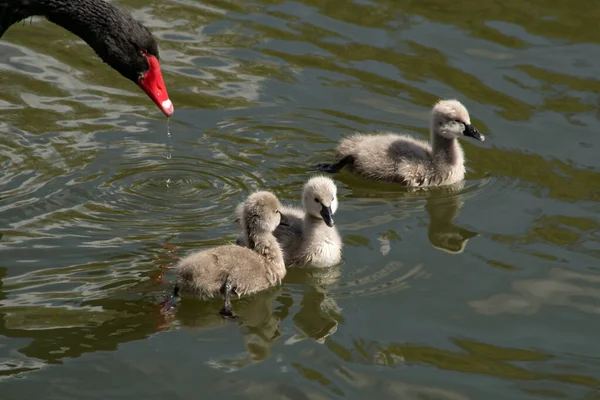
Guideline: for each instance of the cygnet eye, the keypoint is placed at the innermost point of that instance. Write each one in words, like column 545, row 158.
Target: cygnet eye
column 316, row 199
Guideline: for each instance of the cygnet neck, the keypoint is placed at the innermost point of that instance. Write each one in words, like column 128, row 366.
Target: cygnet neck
column 267, row 246
column 446, row 149
column 310, row 221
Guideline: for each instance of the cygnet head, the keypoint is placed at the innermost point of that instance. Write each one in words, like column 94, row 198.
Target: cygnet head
column 450, row 119
column 319, row 198
column 261, row 213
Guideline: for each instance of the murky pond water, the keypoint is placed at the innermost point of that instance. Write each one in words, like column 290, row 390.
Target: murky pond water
column 489, row 291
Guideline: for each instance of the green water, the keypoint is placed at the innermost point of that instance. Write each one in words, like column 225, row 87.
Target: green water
column 491, row 291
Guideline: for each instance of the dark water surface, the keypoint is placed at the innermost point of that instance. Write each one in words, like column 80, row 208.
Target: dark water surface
column 491, row 291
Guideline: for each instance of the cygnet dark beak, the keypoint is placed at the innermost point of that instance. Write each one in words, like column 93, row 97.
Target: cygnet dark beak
column 284, row 220
column 471, row 131
column 327, row 215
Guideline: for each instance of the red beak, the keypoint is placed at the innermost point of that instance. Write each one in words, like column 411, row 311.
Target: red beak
column 152, row 83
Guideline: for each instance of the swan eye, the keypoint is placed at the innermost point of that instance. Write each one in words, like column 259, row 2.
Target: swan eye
column 143, row 52
column 316, row 199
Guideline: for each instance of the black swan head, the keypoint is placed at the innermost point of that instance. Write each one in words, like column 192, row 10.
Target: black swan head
column 118, row 39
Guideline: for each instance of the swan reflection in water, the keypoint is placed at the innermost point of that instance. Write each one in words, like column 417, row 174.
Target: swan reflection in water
column 443, row 206
column 319, row 313
column 261, row 316
column 258, row 322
